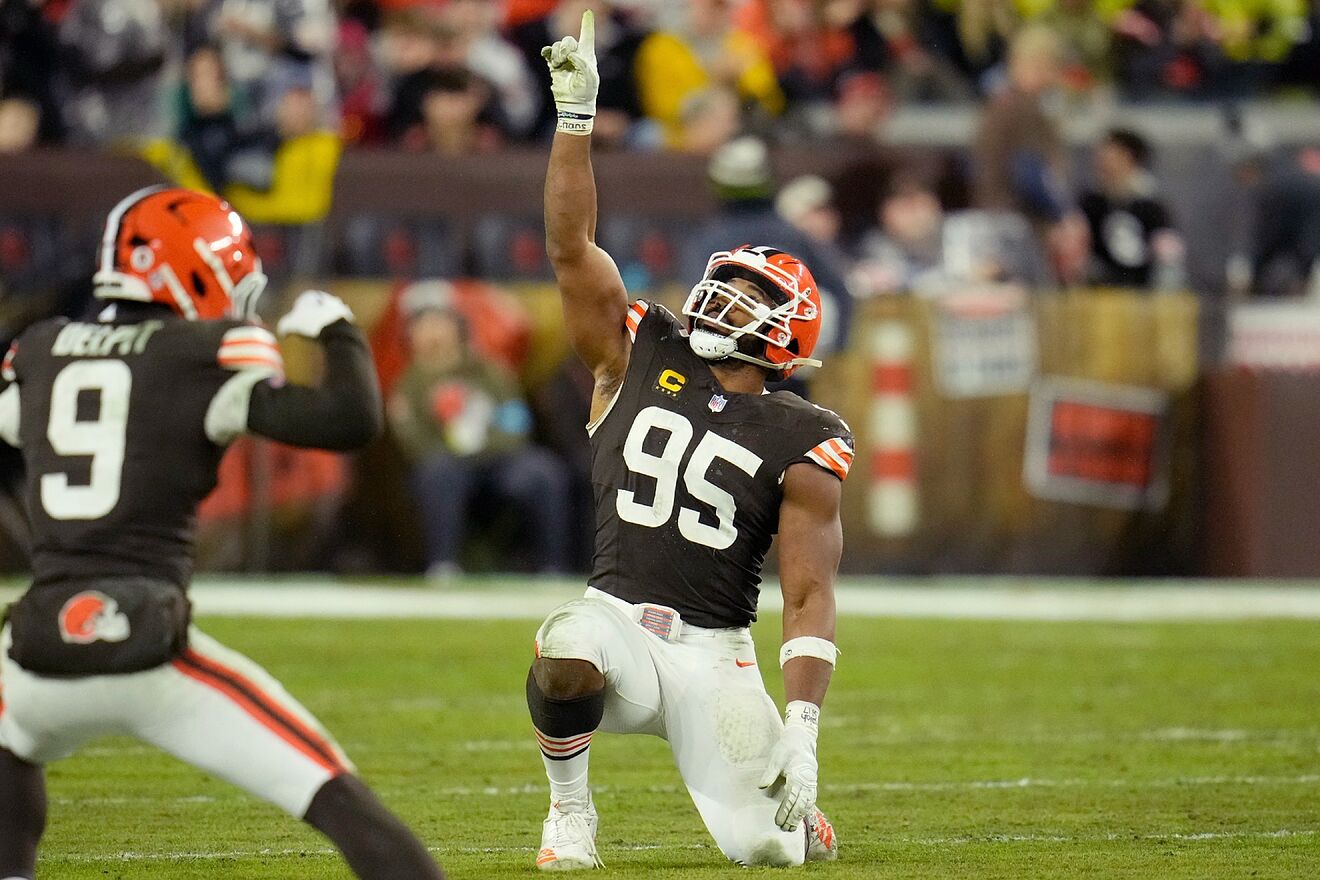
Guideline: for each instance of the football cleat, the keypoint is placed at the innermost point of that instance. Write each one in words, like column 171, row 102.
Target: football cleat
column 822, row 844
column 568, row 839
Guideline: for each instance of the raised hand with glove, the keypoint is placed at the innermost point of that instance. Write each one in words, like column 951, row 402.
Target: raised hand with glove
column 793, row 759
column 312, row 312
column 574, row 79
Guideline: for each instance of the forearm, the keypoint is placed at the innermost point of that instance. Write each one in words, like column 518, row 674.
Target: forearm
column 343, row 413
column 808, row 678
column 570, row 200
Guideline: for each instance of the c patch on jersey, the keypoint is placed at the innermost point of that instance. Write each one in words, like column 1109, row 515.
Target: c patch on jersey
column 670, row 382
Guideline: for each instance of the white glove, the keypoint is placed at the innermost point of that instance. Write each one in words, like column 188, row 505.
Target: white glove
column 794, row 759
column 312, row 312
column 574, row 80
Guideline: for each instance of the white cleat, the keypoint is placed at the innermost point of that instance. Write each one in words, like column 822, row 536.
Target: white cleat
column 568, row 838
column 822, row 844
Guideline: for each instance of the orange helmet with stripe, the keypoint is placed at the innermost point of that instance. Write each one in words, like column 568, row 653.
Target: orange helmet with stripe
column 789, row 328
column 188, row 250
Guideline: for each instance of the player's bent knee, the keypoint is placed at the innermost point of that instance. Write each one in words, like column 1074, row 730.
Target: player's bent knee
column 567, row 679
column 572, row 632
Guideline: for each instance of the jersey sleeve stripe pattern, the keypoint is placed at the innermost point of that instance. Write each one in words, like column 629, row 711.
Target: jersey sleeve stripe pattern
column 634, row 318
column 250, row 347
column 835, row 455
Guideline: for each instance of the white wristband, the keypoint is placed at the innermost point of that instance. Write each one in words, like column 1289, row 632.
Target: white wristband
column 808, row 646
column 575, row 123
column 803, row 714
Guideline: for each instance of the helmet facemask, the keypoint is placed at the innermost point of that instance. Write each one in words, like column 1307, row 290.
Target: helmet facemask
column 709, row 307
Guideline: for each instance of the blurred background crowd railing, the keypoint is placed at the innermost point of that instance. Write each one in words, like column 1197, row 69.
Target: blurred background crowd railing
column 1070, row 252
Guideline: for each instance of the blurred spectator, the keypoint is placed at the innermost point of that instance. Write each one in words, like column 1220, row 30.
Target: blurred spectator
column 984, row 28
column 1285, row 246
column 410, row 50
column 1085, row 35
column 1133, row 242
column 743, row 180
column 471, row 39
column 463, row 424
column 291, row 185
column 453, row 107
column 362, row 98
column 862, row 106
column 905, row 253
column 268, row 44
column 29, row 60
column 697, row 50
column 1165, row 48
column 208, row 128
column 618, row 105
column 20, row 122
column 896, row 38
column 113, row 56
column 807, row 202
column 808, row 51
column 1019, row 157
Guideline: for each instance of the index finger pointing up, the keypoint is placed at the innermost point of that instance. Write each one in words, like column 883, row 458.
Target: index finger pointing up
column 587, row 37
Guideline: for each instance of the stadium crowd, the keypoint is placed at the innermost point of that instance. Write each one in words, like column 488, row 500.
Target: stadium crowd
column 257, row 99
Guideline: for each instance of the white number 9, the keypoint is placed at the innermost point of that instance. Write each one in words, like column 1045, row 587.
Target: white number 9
column 104, row 439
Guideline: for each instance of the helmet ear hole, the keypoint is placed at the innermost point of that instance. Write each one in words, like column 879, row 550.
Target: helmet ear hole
column 199, row 286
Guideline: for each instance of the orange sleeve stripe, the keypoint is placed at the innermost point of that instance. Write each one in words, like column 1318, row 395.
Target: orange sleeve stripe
column 634, row 318
column 238, row 363
column 834, row 455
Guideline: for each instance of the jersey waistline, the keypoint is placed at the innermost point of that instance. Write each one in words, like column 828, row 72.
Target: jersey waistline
column 634, row 611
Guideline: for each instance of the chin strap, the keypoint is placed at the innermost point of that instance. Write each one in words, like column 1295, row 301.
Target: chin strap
column 712, row 346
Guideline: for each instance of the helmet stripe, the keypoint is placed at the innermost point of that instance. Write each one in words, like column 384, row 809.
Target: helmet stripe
column 116, row 219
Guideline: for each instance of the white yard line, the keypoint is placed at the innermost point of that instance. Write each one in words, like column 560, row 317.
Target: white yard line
column 1182, row 836
column 972, row 598
column 539, row 789
column 990, row 598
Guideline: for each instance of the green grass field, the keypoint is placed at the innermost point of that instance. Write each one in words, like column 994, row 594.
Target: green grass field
column 949, row 748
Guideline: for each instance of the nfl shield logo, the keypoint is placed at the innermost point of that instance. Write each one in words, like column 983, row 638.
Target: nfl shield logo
column 718, row 402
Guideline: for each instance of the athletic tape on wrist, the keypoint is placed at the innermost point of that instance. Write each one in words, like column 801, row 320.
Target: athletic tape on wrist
column 808, row 646
column 575, row 123
column 803, row 713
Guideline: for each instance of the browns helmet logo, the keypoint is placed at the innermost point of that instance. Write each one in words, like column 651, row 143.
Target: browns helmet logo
column 92, row 616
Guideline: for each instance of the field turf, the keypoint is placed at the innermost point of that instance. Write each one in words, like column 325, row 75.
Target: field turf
column 967, row 749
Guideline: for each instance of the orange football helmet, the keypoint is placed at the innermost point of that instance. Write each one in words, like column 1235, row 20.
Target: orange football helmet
column 789, row 329
column 188, row 250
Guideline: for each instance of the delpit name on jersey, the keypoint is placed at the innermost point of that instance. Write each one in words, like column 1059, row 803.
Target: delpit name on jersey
column 102, row 340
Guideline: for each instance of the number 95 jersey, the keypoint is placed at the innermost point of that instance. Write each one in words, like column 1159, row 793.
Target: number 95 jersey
column 122, row 426
column 688, row 477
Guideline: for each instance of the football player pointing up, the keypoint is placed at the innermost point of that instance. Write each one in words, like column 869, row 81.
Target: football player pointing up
column 122, row 422
column 695, row 466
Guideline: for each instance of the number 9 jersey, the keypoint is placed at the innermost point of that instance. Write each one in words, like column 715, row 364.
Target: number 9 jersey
column 122, row 427
column 688, row 477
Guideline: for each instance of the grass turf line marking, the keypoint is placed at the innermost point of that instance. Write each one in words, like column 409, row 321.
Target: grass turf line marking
column 831, row 788
column 965, row 840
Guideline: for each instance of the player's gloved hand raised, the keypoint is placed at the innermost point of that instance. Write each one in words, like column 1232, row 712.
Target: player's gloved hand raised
column 794, row 759
column 574, row 80
column 312, row 312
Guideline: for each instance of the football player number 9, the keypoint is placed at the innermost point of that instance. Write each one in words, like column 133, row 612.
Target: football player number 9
column 103, row 438
column 663, row 468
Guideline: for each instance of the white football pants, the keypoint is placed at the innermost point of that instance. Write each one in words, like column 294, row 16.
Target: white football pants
column 703, row 694
column 211, row 707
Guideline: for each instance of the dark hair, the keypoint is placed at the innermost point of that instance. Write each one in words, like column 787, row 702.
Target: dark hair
column 1134, row 144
